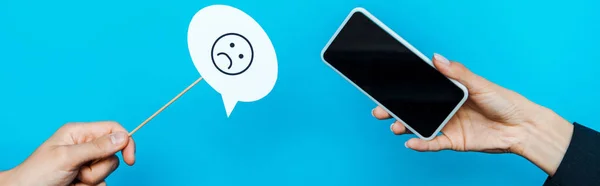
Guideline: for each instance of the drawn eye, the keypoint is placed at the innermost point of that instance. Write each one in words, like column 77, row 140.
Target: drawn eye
column 241, row 56
column 231, row 45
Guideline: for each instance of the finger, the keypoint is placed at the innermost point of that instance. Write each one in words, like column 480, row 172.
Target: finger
column 85, row 132
column 398, row 128
column 379, row 113
column 129, row 152
column 94, row 130
column 95, row 174
column 99, row 148
column 436, row 144
column 460, row 73
column 110, row 126
column 83, row 184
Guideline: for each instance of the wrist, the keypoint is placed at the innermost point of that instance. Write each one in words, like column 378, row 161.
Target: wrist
column 547, row 139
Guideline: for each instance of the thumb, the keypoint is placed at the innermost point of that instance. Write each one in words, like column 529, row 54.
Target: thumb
column 436, row 144
column 99, row 148
column 460, row 73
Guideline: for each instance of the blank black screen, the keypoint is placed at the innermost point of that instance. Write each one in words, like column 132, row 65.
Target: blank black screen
column 393, row 75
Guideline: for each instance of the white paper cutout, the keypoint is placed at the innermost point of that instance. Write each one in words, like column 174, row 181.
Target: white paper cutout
column 233, row 54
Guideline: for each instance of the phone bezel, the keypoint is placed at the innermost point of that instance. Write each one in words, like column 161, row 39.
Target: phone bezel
column 411, row 48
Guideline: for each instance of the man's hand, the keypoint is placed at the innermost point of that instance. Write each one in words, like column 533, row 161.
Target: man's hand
column 77, row 154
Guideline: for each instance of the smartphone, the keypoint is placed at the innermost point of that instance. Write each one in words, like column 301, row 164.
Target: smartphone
column 394, row 74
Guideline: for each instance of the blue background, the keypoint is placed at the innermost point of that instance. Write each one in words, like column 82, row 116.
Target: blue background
column 72, row 60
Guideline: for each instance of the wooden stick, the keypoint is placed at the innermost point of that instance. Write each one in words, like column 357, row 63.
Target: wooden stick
column 165, row 106
column 158, row 112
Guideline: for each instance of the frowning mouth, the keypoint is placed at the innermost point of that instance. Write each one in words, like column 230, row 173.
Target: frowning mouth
column 226, row 55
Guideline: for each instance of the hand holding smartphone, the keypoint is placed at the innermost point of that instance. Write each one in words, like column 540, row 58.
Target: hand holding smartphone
column 394, row 74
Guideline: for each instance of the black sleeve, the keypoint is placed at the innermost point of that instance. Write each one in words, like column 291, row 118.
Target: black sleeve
column 581, row 164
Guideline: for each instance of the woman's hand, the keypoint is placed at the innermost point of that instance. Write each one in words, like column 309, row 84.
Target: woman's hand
column 77, row 154
column 495, row 120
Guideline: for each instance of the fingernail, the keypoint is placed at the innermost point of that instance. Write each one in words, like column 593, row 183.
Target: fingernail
column 373, row 112
column 392, row 127
column 441, row 59
column 406, row 144
column 117, row 138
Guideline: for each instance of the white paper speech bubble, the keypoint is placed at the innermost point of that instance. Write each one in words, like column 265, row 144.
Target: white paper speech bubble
column 233, row 54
